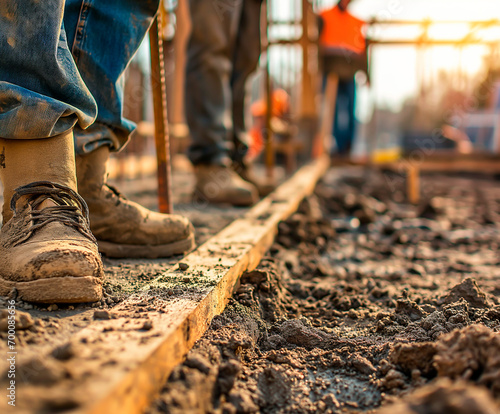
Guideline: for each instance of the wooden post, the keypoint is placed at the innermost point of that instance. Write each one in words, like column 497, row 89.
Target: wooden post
column 182, row 31
column 307, row 113
column 327, row 116
column 160, row 115
column 269, row 144
column 413, row 184
column 308, row 102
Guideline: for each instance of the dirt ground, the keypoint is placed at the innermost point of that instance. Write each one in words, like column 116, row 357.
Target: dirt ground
column 49, row 326
column 364, row 304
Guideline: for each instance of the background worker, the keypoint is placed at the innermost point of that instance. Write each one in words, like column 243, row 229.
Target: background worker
column 343, row 47
column 223, row 51
column 280, row 121
column 61, row 89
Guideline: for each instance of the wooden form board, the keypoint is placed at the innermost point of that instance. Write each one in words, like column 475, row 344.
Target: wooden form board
column 125, row 360
column 441, row 162
column 452, row 162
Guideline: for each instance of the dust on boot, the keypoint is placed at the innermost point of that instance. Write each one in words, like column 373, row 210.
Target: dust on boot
column 124, row 228
column 47, row 250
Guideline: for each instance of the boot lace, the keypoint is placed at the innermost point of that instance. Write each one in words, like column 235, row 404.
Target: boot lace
column 71, row 209
column 115, row 191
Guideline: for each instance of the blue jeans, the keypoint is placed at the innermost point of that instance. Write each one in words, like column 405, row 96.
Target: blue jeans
column 344, row 124
column 223, row 51
column 61, row 66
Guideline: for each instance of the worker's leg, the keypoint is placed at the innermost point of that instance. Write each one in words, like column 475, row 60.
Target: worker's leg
column 208, row 71
column 46, row 249
column 246, row 58
column 344, row 123
column 105, row 36
column 208, row 100
column 352, row 111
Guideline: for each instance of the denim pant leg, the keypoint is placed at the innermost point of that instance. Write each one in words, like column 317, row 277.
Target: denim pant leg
column 41, row 91
column 104, row 35
column 245, row 60
column 345, row 119
column 208, row 72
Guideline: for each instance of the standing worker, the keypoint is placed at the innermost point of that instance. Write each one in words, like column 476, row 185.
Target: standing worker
column 343, row 48
column 61, row 92
column 223, row 51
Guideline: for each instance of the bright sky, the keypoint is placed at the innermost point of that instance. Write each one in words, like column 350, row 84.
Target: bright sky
column 433, row 9
column 395, row 67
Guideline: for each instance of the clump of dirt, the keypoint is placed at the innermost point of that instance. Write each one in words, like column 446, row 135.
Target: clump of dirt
column 22, row 320
column 364, row 301
column 447, row 397
column 468, row 290
column 472, row 353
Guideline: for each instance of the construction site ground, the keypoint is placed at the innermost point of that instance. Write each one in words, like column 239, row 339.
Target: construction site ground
column 364, row 303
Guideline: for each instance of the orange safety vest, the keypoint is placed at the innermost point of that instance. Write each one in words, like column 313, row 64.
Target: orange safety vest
column 342, row 30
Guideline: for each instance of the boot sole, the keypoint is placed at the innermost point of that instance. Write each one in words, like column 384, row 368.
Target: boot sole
column 131, row 251
column 56, row 290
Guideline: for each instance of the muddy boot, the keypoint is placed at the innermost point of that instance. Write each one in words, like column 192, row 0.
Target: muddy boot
column 222, row 185
column 124, row 228
column 264, row 186
column 47, row 251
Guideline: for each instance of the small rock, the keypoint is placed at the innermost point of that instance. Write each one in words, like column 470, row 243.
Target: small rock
column 295, row 332
column 53, row 308
column 183, row 266
column 148, row 325
column 23, row 320
column 363, row 365
column 102, row 314
column 64, row 352
column 330, row 401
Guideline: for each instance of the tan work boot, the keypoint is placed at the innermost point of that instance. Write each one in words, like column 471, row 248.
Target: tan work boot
column 47, row 251
column 124, row 228
column 222, row 185
column 263, row 185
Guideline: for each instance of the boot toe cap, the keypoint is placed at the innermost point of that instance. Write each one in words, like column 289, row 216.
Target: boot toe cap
column 56, row 260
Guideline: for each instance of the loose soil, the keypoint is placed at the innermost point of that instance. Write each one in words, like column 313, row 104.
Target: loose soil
column 69, row 356
column 364, row 304
column 53, row 325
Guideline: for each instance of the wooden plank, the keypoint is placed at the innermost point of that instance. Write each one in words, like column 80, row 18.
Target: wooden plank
column 486, row 164
column 124, row 363
column 413, row 184
column 221, row 261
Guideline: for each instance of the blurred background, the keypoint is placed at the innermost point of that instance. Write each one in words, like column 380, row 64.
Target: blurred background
column 433, row 82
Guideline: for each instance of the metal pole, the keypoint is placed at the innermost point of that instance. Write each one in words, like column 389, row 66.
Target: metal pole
column 160, row 115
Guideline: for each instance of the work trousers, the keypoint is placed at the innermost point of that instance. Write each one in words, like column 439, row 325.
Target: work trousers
column 344, row 124
column 223, row 51
column 61, row 67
